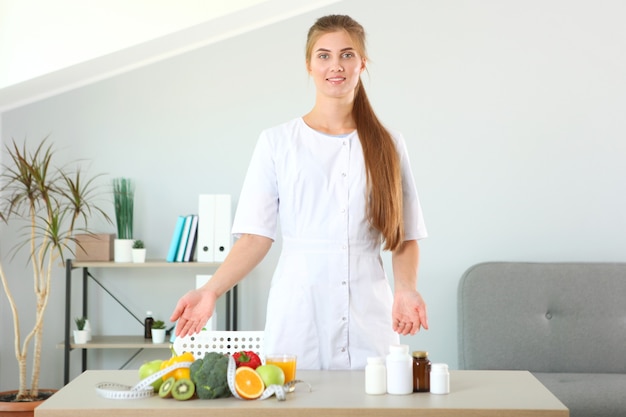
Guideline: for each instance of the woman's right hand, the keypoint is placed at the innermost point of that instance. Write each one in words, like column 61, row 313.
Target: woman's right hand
column 193, row 311
column 195, row 308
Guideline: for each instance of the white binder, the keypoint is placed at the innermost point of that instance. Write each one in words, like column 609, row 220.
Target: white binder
column 214, row 224
column 222, row 227
column 200, row 281
column 206, row 224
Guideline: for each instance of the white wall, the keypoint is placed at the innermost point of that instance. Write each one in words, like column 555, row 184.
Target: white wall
column 513, row 112
column 33, row 30
column 74, row 47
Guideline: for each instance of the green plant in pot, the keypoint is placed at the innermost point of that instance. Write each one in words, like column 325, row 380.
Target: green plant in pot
column 81, row 334
column 158, row 331
column 124, row 197
column 51, row 201
column 80, row 323
column 139, row 251
column 158, row 324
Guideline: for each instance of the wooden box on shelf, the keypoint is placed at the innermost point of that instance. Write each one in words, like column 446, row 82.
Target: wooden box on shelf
column 94, row 247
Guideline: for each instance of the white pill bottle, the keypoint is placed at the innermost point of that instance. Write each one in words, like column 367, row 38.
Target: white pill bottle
column 375, row 376
column 439, row 378
column 399, row 370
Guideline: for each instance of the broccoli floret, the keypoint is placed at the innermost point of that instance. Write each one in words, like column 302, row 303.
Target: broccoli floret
column 209, row 376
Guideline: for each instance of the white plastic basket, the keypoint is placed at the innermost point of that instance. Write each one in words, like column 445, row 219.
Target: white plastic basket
column 220, row 341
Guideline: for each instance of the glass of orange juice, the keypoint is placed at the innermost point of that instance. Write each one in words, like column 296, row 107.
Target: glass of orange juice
column 286, row 362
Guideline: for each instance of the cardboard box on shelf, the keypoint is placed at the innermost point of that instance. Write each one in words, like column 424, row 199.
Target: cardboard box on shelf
column 94, row 247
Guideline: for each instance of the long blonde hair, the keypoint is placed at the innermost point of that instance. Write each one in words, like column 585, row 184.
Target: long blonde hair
column 382, row 165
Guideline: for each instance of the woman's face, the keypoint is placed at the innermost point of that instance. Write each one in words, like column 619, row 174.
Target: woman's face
column 335, row 65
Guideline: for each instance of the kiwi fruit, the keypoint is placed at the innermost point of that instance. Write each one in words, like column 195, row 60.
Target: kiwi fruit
column 183, row 389
column 165, row 391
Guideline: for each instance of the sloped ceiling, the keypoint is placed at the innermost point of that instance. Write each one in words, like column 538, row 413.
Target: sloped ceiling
column 257, row 14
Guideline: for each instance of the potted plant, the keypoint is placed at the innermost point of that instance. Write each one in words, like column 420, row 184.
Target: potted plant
column 139, row 252
column 80, row 334
column 124, row 196
column 51, row 200
column 158, row 331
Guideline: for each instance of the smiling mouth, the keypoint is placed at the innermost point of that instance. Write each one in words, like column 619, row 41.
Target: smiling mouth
column 336, row 79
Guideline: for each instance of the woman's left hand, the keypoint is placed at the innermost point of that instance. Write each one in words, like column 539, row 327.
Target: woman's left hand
column 408, row 313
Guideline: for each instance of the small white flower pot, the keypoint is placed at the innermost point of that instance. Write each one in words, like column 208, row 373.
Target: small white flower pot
column 80, row 337
column 87, row 328
column 158, row 335
column 139, row 256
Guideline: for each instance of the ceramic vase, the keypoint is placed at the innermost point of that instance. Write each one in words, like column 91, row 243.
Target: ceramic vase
column 87, row 328
column 80, row 337
column 158, row 335
column 123, row 250
column 139, row 256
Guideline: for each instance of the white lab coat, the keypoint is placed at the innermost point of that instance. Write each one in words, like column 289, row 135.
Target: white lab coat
column 330, row 301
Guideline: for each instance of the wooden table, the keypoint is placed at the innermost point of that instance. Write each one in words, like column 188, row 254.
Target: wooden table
column 334, row 393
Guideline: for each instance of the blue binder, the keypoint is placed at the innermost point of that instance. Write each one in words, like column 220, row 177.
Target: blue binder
column 178, row 229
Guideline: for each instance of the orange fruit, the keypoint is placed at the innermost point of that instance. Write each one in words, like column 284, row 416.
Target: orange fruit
column 248, row 383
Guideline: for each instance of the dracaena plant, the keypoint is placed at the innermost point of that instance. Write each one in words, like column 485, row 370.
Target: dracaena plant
column 124, row 195
column 51, row 202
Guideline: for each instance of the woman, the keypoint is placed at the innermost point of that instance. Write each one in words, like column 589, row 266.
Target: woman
column 341, row 185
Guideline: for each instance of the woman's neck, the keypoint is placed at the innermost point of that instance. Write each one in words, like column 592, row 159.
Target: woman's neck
column 332, row 118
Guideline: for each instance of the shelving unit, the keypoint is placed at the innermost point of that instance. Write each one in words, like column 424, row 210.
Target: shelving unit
column 124, row 342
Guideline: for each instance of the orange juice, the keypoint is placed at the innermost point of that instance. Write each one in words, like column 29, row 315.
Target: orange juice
column 285, row 362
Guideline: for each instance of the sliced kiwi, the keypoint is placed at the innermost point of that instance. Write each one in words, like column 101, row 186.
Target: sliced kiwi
column 183, row 389
column 165, row 391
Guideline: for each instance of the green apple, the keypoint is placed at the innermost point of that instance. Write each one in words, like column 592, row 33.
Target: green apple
column 271, row 375
column 150, row 368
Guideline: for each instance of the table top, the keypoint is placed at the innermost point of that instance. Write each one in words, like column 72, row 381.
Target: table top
column 334, row 393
